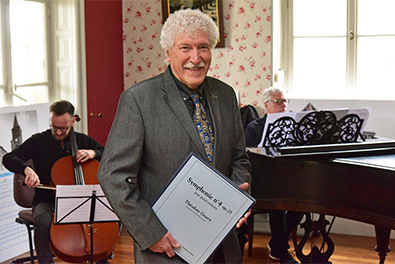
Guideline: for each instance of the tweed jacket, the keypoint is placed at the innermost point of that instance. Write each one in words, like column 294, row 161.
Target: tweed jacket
column 151, row 135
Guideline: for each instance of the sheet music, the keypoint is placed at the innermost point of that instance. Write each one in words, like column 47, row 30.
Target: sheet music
column 73, row 204
column 199, row 207
column 363, row 113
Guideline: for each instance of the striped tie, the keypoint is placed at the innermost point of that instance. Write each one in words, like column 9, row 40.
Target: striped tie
column 203, row 127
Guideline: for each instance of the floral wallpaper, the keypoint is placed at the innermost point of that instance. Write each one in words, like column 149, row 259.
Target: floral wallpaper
column 244, row 62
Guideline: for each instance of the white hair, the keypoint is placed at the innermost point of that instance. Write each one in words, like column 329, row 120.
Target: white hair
column 267, row 94
column 187, row 21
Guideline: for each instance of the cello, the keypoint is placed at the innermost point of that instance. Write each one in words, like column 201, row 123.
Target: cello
column 73, row 242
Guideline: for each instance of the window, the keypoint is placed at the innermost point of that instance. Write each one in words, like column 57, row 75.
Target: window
column 29, row 63
column 40, row 51
column 25, row 80
column 338, row 49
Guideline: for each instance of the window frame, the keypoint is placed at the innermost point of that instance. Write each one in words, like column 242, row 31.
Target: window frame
column 285, row 49
column 65, row 51
column 9, row 87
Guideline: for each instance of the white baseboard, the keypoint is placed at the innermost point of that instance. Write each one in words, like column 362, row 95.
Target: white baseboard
column 340, row 226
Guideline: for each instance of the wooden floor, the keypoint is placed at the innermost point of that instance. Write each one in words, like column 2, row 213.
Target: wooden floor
column 348, row 250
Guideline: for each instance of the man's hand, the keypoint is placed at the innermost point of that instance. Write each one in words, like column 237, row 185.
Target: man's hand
column 165, row 244
column 85, row 154
column 31, row 179
column 243, row 220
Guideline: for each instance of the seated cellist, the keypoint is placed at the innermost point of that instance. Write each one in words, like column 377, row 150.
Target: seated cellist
column 44, row 149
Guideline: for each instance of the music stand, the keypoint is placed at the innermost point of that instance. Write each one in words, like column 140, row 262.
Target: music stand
column 72, row 202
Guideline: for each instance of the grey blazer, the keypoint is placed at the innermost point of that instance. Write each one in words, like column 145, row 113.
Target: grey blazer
column 151, row 135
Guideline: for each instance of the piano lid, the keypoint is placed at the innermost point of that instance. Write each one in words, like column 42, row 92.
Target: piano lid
column 386, row 162
column 379, row 146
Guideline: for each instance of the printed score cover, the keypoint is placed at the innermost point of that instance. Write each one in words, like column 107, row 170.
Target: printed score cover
column 199, row 206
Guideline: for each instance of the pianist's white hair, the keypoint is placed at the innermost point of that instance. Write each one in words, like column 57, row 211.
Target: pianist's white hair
column 267, row 94
column 187, row 21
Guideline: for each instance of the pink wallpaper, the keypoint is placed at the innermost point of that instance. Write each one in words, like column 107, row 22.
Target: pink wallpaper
column 244, row 62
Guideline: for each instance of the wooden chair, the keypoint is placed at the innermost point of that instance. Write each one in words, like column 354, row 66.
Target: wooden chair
column 23, row 196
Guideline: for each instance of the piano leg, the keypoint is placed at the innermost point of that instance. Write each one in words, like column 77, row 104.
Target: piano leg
column 316, row 254
column 382, row 238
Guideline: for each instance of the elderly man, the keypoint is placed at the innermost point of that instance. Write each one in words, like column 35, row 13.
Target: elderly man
column 154, row 130
column 274, row 102
column 281, row 223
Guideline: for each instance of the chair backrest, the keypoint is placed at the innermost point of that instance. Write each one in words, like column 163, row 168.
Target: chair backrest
column 23, row 195
column 248, row 114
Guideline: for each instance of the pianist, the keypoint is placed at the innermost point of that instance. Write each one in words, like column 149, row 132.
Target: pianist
column 281, row 223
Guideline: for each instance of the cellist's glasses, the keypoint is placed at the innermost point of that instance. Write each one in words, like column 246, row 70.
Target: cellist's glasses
column 62, row 129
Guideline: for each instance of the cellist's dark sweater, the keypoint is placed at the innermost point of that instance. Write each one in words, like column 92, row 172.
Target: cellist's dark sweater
column 44, row 150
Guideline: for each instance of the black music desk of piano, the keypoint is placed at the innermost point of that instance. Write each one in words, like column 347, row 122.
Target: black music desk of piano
column 350, row 180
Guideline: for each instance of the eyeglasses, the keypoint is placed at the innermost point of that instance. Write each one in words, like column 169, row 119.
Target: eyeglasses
column 62, row 129
column 279, row 101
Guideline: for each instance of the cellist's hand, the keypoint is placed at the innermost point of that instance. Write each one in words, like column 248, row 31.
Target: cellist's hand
column 85, row 154
column 31, row 179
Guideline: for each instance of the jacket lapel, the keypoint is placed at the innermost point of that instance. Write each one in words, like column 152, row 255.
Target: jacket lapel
column 173, row 98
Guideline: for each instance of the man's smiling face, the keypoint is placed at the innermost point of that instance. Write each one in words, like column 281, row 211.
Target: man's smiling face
column 190, row 59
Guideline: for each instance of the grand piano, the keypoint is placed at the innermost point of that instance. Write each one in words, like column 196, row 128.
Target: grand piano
column 354, row 181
